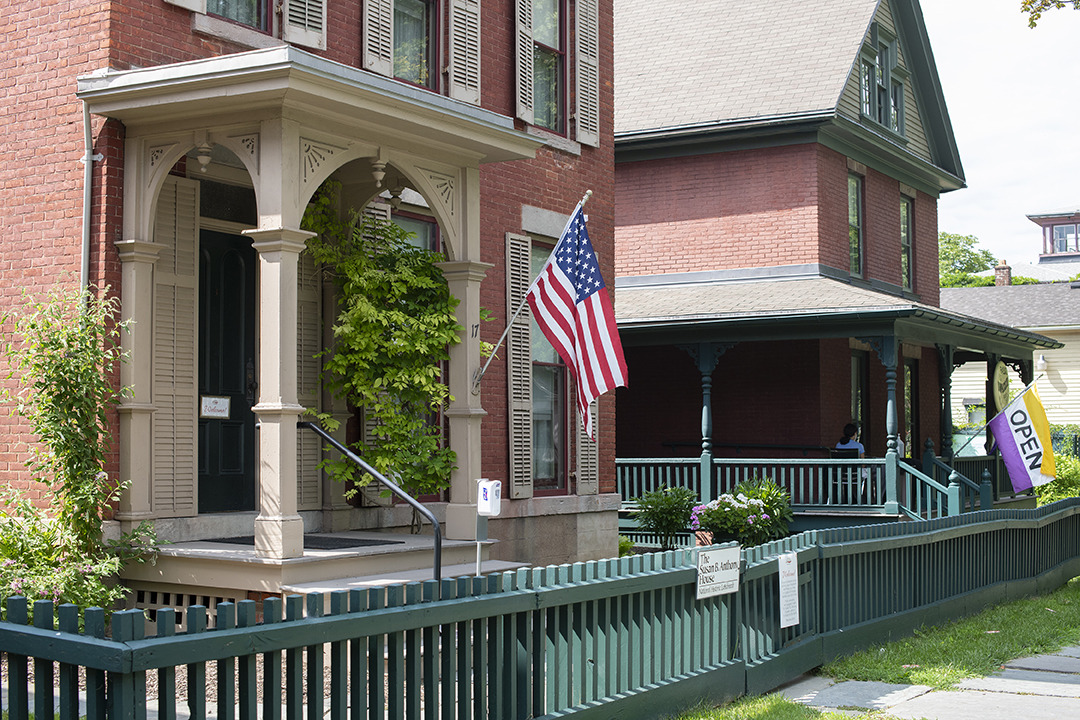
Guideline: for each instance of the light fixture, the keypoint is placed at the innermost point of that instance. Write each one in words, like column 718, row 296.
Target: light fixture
column 203, row 155
column 1041, row 363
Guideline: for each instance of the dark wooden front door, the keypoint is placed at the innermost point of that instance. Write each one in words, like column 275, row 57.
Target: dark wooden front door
column 226, row 373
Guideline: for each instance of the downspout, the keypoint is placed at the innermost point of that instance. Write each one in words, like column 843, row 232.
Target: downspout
column 88, row 186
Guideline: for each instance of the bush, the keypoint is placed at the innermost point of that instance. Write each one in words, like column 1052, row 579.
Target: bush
column 626, row 546
column 665, row 512
column 756, row 512
column 1066, row 485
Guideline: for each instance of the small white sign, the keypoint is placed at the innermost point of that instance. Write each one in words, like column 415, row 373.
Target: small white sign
column 789, row 589
column 214, row 407
column 718, row 571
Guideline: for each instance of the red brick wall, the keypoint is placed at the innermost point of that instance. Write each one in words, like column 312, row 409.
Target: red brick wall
column 741, row 209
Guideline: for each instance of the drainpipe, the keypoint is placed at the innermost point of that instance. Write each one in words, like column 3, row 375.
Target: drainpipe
column 88, row 185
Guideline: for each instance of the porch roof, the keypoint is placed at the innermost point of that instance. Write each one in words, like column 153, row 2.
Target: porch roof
column 694, row 307
column 287, row 80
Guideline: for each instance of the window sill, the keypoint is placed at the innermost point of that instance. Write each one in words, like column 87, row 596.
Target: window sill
column 552, row 140
column 238, row 34
column 883, row 129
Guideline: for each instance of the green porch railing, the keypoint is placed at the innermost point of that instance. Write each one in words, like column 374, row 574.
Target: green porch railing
column 622, row 637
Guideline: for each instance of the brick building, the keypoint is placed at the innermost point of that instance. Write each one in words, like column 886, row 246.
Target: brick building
column 208, row 124
column 777, row 181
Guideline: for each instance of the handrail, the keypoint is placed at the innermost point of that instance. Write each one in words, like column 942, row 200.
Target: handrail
column 964, row 479
column 393, row 488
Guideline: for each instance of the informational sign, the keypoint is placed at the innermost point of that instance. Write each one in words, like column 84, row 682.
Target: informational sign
column 718, row 571
column 789, row 589
column 214, row 407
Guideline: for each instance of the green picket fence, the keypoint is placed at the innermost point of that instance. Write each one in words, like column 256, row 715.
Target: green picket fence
column 622, row 637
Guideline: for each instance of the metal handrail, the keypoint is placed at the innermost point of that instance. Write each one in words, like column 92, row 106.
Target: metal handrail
column 393, row 488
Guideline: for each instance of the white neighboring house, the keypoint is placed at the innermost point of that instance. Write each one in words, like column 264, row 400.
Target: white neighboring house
column 1050, row 309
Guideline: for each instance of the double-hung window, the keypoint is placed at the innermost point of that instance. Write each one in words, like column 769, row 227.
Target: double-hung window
column 855, row 225
column 253, row 13
column 882, row 80
column 907, row 228
column 549, row 417
column 1065, row 239
column 252, row 23
column 549, row 65
column 414, row 41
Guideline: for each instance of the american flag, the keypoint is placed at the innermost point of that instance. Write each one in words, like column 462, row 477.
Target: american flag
column 570, row 303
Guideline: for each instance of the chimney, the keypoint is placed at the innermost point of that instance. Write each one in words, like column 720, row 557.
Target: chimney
column 1002, row 274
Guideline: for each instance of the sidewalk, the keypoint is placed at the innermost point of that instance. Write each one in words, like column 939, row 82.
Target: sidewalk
column 1045, row 686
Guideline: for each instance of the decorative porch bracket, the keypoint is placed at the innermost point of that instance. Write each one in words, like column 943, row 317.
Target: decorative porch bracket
column 706, row 355
column 886, row 348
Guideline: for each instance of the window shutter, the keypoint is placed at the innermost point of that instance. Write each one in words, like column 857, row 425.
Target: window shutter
column 308, row 336
column 378, row 53
column 587, row 59
column 175, row 314
column 519, row 358
column 371, row 494
column 464, row 71
column 588, row 455
column 303, row 22
column 523, row 68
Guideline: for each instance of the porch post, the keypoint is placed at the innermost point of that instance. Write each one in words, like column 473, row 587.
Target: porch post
column 945, row 369
column 992, row 409
column 888, row 354
column 706, row 355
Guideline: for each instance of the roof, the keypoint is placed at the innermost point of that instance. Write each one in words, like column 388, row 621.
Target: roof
column 723, row 60
column 1047, row 272
column 1026, row 306
column 805, row 307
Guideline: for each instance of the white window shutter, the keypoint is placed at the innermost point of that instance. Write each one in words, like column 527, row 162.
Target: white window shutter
column 519, row 359
column 308, row 367
column 587, row 59
column 523, row 66
column 303, row 22
column 588, row 454
column 175, row 385
column 464, row 71
column 378, row 51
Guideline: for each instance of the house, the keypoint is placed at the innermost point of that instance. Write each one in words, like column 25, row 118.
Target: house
column 777, row 180
column 171, row 147
column 1050, row 309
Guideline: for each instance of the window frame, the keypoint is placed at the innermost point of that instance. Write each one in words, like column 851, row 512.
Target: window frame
column 907, row 243
column 561, row 74
column 1065, row 241
column 882, row 82
column 560, row 484
column 434, row 34
column 857, row 251
column 265, row 13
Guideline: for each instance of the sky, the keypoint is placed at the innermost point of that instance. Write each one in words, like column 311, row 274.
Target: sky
column 1013, row 95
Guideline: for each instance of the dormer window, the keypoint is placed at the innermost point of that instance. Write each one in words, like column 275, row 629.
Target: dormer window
column 1065, row 239
column 882, row 81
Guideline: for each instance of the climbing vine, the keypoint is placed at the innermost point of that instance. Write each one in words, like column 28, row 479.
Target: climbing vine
column 392, row 335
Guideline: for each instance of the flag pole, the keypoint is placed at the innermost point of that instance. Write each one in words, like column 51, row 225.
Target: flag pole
column 479, row 375
column 956, row 453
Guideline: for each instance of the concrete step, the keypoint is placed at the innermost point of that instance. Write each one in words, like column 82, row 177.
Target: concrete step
column 400, row 577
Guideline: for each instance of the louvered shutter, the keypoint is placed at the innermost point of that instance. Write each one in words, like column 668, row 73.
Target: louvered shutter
column 378, row 51
column 588, row 455
column 464, row 68
column 587, row 59
column 174, row 423
column 308, row 345
column 371, row 494
column 303, row 22
column 519, row 357
column 523, row 66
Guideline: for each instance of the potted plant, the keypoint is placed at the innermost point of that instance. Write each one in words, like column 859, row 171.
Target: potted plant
column 755, row 512
column 666, row 513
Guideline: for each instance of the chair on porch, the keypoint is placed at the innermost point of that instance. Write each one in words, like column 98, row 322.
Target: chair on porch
column 845, row 480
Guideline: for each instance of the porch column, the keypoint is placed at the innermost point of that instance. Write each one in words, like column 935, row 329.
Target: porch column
column 137, row 286
column 706, row 355
column 464, row 274
column 886, row 347
column 945, row 369
column 992, row 359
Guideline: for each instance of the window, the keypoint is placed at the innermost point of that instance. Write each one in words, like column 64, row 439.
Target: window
column 425, row 231
column 253, row 13
column 860, row 390
column 1065, row 239
column 907, row 259
column 414, row 40
column 911, row 409
column 855, row 224
column 543, row 62
column 548, row 399
column 882, row 81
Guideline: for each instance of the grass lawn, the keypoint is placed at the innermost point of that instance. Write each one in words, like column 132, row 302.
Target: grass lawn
column 937, row 656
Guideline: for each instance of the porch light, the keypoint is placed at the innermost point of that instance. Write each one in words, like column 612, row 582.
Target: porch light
column 1041, row 363
column 204, row 155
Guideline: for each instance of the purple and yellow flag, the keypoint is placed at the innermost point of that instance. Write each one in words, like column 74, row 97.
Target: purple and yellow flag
column 1022, row 434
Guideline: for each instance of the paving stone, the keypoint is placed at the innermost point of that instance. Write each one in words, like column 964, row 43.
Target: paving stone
column 1047, row 663
column 959, row 705
column 1030, row 682
column 858, row 694
column 1073, row 651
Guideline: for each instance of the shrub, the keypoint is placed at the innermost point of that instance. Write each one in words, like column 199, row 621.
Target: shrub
column 626, row 546
column 1066, row 485
column 665, row 512
column 756, row 512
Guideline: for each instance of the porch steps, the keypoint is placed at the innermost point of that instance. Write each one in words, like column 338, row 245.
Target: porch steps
column 402, row 577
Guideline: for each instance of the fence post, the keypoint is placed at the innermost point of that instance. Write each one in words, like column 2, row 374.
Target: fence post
column 954, row 494
column 986, row 491
column 928, row 458
column 705, row 479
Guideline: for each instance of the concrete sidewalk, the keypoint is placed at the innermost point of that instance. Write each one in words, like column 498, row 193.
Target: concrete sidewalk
column 1046, row 686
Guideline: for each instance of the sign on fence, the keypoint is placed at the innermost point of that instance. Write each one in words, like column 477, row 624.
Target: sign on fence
column 789, row 589
column 718, row 571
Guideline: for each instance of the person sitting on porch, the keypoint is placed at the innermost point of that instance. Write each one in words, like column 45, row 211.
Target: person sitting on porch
column 848, row 442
